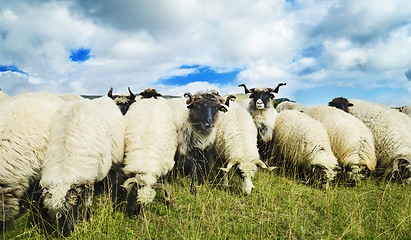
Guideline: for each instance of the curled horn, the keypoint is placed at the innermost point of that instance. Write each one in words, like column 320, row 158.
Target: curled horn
column 110, row 93
column 166, row 189
column 277, row 88
column 132, row 95
column 259, row 163
column 246, row 90
column 131, row 180
column 230, row 164
column 189, row 96
column 229, row 98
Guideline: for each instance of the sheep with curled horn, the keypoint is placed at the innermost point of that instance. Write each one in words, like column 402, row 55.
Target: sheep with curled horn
column 196, row 132
column 260, row 107
column 236, row 144
column 122, row 100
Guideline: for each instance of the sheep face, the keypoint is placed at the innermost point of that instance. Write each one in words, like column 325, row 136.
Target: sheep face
column 76, row 207
column 150, row 93
column 341, row 103
column 122, row 100
column 203, row 110
column 261, row 96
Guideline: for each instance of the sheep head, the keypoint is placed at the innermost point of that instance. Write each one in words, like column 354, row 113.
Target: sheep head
column 261, row 96
column 123, row 101
column 149, row 93
column 204, row 108
column 341, row 103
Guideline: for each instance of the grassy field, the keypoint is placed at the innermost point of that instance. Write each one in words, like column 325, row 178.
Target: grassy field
column 278, row 208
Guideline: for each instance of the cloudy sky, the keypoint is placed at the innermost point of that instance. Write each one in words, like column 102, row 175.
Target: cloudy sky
column 321, row 48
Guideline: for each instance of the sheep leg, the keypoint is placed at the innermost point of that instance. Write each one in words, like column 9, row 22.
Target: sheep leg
column 193, row 168
column 201, row 167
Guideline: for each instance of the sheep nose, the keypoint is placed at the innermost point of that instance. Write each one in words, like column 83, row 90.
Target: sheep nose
column 208, row 123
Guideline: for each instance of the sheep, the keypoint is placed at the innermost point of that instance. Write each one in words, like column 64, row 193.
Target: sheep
column 392, row 136
column 261, row 108
column 24, row 134
column 3, row 95
column 150, row 146
column 87, row 137
column 287, row 105
column 236, row 141
column 196, row 133
column 122, row 100
column 302, row 142
column 351, row 141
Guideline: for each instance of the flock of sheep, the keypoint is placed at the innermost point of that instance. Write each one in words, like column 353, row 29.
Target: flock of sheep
column 59, row 149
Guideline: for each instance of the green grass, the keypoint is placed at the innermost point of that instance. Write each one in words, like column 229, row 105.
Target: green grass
column 278, row 208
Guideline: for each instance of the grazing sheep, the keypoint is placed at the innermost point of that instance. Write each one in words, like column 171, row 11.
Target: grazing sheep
column 150, row 146
column 302, row 142
column 3, row 95
column 236, row 141
column 196, row 133
column 351, row 141
column 287, row 105
column 24, row 134
column 87, row 137
column 261, row 109
column 392, row 136
column 122, row 100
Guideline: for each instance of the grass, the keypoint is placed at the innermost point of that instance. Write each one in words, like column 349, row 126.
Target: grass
column 278, row 208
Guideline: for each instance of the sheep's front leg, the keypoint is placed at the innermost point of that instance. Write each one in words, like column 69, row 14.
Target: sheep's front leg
column 193, row 168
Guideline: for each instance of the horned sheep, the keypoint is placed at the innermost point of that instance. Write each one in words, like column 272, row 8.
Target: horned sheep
column 236, row 142
column 24, row 134
column 150, row 146
column 302, row 142
column 260, row 107
column 195, row 120
column 351, row 141
column 391, row 134
column 87, row 137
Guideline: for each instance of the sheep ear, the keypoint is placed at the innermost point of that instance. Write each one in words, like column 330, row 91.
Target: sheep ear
column 251, row 95
column 350, row 104
column 159, row 95
column 271, row 96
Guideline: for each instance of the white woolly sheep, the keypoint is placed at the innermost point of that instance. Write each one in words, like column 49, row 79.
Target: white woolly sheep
column 261, row 109
column 87, row 137
column 287, row 105
column 351, row 141
column 236, row 141
column 196, row 132
column 24, row 133
column 392, row 136
column 302, row 142
column 150, row 146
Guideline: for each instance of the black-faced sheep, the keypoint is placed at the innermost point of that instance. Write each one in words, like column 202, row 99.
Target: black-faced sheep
column 391, row 134
column 351, row 141
column 236, row 143
column 261, row 109
column 302, row 142
column 150, row 146
column 87, row 137
column 24, row 134
column 122, row 100
column 196, row 133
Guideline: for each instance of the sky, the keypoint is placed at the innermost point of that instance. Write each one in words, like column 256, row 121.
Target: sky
column 321, row 48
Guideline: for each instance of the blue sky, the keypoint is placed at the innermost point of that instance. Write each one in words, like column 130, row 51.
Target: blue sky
column 321, row 48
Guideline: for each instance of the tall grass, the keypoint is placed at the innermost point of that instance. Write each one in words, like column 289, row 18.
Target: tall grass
column 278, row 208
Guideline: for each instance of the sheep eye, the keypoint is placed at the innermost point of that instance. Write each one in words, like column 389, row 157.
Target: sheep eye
column 251, row 95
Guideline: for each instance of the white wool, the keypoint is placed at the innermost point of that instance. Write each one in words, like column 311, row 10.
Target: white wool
column 3, row 95
column 150, row 142
column 303, row 141
column 264, row 119
column 24, row 133
column 70, row 96
column 351, row 140
column 146, row 194
column 287, row 105
column 407, row 110
column 392, row 135
column 87, row 136
column 237, row 139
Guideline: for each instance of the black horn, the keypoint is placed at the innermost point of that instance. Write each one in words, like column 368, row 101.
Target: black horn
column 110, row 93
column 132, row 95
column 189, row 96
column 277, row 88
column 246, row 90
column 229, row 97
